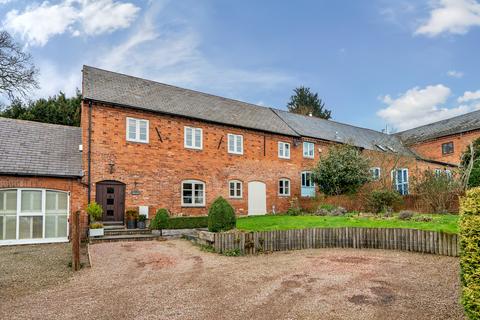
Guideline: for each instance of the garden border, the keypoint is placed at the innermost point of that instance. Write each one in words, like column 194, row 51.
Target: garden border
column 348, row 237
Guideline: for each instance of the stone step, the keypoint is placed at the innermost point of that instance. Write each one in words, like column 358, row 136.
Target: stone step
column 114, row 227
column 127, row 237
column 116, row 232
column 113, row 223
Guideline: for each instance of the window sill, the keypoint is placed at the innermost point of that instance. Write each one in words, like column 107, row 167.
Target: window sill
column 235, row 198
column 235, row 154
column 134, row 141
column 194, row 149
column 284, row 195
column 189, row 206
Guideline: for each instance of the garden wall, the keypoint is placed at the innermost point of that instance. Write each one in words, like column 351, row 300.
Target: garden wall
column 357, row 202
column 358, row 238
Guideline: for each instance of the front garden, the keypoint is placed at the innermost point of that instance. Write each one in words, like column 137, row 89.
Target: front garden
column 430, row 222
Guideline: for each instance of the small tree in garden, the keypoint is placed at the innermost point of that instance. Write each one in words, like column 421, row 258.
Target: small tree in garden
column 437, row 190
column 221, row 216
column 470, row 252
column 95, row 211
column 160, row 221
column 343, row 170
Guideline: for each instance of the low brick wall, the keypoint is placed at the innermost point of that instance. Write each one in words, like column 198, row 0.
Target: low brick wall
column 358, row 238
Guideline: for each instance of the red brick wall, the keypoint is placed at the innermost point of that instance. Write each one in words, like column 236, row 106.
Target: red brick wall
column 157, row 168
column 433, row 149
column 78, row 195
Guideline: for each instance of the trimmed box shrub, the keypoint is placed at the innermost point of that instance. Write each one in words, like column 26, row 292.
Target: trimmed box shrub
column 160, row 221
column 221, row 216
column 470, row 252
column 187, row 222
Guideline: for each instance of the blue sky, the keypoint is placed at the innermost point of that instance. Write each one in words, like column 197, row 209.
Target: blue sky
column 378, row 62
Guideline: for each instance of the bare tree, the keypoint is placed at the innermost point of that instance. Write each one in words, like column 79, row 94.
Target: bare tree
column 17, row 71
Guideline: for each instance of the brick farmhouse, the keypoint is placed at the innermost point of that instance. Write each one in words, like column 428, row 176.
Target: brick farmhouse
column 147, row 145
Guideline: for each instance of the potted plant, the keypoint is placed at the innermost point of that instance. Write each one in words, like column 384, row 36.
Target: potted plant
column 141, row 221
column 132, row 216
column 95, row 212
column 159, row 222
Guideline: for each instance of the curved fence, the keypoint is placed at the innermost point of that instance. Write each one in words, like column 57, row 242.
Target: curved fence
column 375, row 238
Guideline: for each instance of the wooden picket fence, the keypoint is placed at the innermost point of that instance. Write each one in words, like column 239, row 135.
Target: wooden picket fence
column 376, row 238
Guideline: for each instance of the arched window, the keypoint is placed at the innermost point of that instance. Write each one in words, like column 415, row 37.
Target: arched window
column 193, row 193
column 284, row 187
column 235, row 189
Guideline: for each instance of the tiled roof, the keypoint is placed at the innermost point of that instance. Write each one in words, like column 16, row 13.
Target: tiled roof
column 116, row 88
column 39, row 149
column 343, row 133
column 463, row 123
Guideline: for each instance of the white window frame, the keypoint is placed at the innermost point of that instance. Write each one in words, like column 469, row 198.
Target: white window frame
column 232, row 139
column 396, row 185
column 373, row 171
column 235, row 189
column 137, row 130
column 305, row 187
column 193, row 146
column 281, row 147
column 193, row 204
column 40, row 213
column 284, row 194
column 307, row 147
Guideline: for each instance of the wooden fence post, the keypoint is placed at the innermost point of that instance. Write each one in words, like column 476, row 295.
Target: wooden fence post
column 76, row 241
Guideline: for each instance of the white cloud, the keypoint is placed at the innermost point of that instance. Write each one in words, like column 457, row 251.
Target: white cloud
column 419, row 106
column 52, row 80
column 451, row 16
column 166, row 49
column 36, row 24
column 469, row 96
column 455, row 74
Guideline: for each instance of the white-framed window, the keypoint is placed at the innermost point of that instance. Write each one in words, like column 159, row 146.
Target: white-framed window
column 137, row 130
column 193, row 193
column 307, row 186
column 193, row 138
column 375, row 172
column 446, row 172
column 438, row 172
column 284, row 150
column 235, row 143
column 235, row 189
column 400, row 180
column 308, row 150
column 284, row 187
column 33, row 216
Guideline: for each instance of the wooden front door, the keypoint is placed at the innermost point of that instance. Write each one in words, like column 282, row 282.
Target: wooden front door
column 111, row 196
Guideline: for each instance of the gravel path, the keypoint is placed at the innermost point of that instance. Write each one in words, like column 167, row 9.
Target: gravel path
column 175, row 280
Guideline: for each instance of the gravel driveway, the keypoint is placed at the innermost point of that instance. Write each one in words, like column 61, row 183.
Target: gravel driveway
column 175, row 280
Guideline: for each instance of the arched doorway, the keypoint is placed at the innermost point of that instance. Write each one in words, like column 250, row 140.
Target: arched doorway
column 111, row 196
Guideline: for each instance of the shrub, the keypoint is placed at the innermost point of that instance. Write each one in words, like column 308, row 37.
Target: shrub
column 160, row 221
column 330, row 210
column 187, row 222
column 423, row 219
column 232, row 253
column 470, row 252
column 437, row 190
column 141, row 218
column 131, row 214
column 294, row 209
column 221, row 216
column 95, row 211
column 405, row 215
column 383, row 200
column 343, row 170
column 96, row 225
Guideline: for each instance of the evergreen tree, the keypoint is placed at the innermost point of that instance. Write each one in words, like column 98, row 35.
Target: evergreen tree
column 305, row 102
column 57, row 109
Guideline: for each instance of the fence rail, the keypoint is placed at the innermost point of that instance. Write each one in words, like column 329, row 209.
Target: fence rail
column 375, row 238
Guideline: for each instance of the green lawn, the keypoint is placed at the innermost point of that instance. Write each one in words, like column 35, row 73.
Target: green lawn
column 446, row 223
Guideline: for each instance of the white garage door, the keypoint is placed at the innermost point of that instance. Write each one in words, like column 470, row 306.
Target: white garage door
column 257, row 198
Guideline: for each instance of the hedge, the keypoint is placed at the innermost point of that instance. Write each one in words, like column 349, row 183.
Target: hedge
column 187, row 222
column 470, row 252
